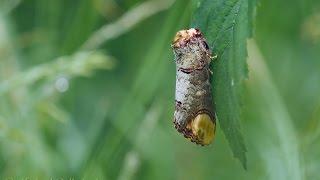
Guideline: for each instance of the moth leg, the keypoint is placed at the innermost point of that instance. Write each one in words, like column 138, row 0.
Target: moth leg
column 211, row 72
column 213, row 57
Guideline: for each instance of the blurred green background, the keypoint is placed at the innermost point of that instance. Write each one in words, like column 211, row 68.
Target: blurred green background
column 87, row 91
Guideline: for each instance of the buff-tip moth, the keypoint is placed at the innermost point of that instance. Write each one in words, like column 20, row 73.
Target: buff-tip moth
column 194, row 115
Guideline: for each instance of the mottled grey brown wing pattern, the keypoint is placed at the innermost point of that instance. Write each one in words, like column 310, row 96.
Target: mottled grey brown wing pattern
column 193, row 116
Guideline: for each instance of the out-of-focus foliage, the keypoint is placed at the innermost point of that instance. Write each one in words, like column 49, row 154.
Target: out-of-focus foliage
column 104, row 110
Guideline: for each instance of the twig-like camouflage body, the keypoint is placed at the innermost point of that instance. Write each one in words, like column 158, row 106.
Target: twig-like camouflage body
column 194, row 116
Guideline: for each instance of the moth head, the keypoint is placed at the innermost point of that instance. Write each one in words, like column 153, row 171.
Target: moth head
column 190, row 48
column 203, row 129
column 183, row 37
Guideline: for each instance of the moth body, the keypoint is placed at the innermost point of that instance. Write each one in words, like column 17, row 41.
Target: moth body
column 193, row 116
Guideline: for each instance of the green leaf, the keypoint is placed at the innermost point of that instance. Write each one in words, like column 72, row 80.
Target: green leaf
column 225, row 24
